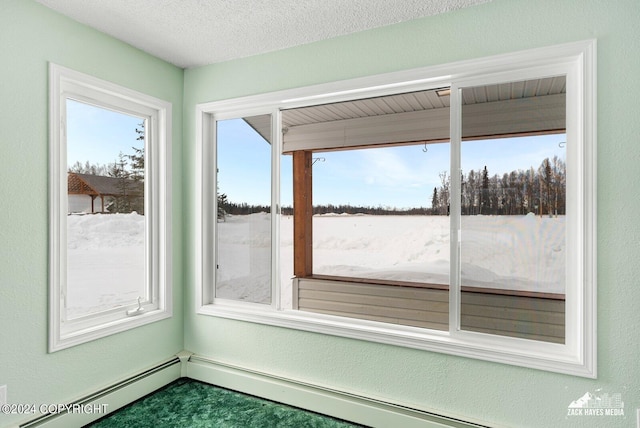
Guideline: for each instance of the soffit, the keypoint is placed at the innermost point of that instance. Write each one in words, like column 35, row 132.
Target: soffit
column 419, row 101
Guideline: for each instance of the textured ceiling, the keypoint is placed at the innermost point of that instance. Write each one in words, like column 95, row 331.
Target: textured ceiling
column 191, row 33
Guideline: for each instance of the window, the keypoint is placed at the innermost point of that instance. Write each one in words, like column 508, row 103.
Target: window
column 448, row 209
column 369, row 243
column 243, row 226
column 110, row 252
column 512, row 233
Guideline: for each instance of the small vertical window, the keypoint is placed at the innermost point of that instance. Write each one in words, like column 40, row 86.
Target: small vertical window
column 106, row 245
column 243, row 224
column 110, row 175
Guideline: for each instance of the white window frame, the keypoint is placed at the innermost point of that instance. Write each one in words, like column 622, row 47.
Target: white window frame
column 66, row 84
column 575, row 60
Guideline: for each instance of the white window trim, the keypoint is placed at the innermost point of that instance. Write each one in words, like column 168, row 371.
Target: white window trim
column 66, row 84
column 578, row 355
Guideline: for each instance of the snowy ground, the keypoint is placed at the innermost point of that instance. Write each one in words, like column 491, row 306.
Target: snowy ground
column 503, row 252
column 106, row 254
column 105, row 261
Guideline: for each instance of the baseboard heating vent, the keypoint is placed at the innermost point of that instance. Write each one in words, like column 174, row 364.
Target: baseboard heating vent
column 354, row 407
column 45, row 418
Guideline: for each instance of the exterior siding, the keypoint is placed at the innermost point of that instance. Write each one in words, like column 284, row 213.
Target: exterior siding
column 508, row 315
column 517, row 316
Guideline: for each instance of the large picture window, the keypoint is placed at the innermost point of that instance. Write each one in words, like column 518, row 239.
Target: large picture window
column 110, row 202
column 451, row 213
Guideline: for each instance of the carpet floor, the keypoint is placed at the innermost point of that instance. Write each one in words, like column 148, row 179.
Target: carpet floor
column 193, row 404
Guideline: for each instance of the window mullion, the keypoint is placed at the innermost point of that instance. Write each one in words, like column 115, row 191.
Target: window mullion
column 454, row 216
column 211, row 202
column 276, row 150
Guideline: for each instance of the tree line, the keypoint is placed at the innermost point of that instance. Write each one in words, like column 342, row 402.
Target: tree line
column 225, row 207
column 539, row 191
column 231, row 208
column 359, row 209
column 519, row 192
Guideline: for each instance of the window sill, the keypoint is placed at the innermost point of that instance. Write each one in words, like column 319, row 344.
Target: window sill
column 506, row 350
column 75, row 333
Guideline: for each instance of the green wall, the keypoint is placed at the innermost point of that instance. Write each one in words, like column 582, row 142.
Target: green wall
column 494, row 393
column 31, row 36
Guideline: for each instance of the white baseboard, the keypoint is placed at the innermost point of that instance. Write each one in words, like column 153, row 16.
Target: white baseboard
column 109, row 399
column 338, row 404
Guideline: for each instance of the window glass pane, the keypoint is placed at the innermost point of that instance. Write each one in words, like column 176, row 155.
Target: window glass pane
column 371, row 200
column 106, row 210
column 381, row 213
column 244, row 209
column 513, row 193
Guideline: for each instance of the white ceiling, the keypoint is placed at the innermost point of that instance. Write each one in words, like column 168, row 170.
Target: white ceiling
column 191, row 33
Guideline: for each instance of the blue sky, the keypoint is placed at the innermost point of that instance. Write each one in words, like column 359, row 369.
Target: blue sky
column 401, row 176
column 98, row 135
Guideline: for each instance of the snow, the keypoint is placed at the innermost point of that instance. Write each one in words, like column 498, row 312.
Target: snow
column 514, row 252
column 502, row 252
column 106, row 254
column 244, row 258
column 404, row 248
column 105, row 262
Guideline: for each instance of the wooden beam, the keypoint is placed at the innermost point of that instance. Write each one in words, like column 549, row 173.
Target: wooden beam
column 302, row 214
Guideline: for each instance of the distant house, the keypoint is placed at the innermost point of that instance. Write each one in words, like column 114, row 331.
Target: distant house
column 84, row 189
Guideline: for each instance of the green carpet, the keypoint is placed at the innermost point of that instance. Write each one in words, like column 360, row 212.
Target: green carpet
column 189, row 403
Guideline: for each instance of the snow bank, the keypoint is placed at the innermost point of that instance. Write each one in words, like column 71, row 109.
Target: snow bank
column 244, row 258
column 502, row 252
column 105, row 261
column 106, row 254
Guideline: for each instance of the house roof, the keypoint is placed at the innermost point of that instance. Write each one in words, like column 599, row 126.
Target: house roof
column 98, row 185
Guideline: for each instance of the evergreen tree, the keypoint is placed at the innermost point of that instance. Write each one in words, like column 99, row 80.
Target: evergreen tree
column 136, row 161
column 118, row 170
column 223, row 206
column 484, row 195
column 137, row 158
column 472, row 193
column 434, row 201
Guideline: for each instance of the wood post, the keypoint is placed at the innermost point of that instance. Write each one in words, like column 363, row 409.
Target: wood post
column 302, row 214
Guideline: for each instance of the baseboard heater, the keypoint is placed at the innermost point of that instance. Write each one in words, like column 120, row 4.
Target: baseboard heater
column 321, row 399
column 119, row 394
